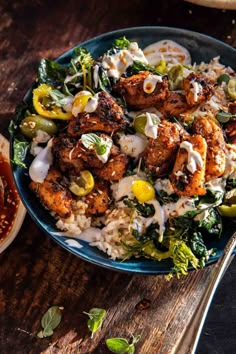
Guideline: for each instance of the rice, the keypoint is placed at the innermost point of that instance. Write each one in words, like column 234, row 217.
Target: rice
column 213, row 69
column 108, row 239
column 77, row 222
column 117, row 229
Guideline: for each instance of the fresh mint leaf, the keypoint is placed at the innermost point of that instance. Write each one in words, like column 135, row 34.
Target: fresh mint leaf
column 50, row 321
column 121, row 345
column 224, row 117
column 90, row 140
column 96, row 318
column 118, row 345
column 93, row 141
column 59, row 99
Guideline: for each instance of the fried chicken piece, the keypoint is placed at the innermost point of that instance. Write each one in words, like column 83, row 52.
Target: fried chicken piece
column 230, row 130
column 212, row 132
column 108, row 117
column 98, row 200
column 189, row 180
column 53, row 194
column 159, row 154
column 198, row 89
column 232, row 107
column 174, row 105
column 114, row 169
column 66, row 154
column 142, row 90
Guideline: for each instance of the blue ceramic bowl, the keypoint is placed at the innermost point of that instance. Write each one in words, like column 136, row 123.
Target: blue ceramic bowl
column 202, row 48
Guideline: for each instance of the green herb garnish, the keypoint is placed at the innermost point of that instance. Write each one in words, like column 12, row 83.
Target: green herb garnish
column 121, row 43
column 121, row 345
column 52, row 73
column 59, row 99
column 96, row 318
column 224, row 117
column 143, row 209
column 50, row 321
column 223, row 78
column 93, row 141
column 138, row 66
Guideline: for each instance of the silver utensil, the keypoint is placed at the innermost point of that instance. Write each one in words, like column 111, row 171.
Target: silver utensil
column 188, row 342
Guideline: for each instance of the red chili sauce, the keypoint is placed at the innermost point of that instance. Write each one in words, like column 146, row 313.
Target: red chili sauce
column 10, row 203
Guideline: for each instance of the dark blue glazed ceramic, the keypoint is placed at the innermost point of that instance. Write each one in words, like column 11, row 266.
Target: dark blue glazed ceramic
column 202, row 48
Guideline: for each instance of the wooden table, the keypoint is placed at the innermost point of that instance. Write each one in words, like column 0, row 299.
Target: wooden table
column 35, row 273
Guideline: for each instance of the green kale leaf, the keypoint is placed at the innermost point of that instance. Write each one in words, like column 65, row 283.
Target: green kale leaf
column 51, row 73
column 122, row 43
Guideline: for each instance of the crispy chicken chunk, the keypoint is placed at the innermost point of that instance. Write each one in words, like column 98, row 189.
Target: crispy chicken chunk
column 98, row 200
column 159, row 154
column 174, row 105
column 53, row 194
column 66, row 154
column 143, row 90
column 198, row 89
column 232, row 107
column 187, row 180
column 212, row 132
column 114, row 169
column 108, row 117
column 231, row 131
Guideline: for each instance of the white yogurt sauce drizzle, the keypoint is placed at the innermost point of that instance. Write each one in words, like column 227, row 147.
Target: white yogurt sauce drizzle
column 194, row 158
column 73, row 243
column 95, row 75
column 150, row 83
column 39, row 167
column 90, row 235
column 92, row 104
column 132, row 144
column 158, row 217
column 117, row 64
column 104, row 157
column 151, row 129
column 197, row 89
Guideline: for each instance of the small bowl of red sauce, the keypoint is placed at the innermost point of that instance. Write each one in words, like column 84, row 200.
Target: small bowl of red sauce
column 12, row 211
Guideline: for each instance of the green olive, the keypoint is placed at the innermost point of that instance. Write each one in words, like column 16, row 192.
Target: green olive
column 223, row 78
column 140, row 123
column 176, row 77
column 31, row 124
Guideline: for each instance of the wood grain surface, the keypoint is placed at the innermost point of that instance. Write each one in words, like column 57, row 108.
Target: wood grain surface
column 35, row 273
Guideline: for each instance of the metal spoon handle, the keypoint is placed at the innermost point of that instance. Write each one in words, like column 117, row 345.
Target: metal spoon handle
column 189, row 341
